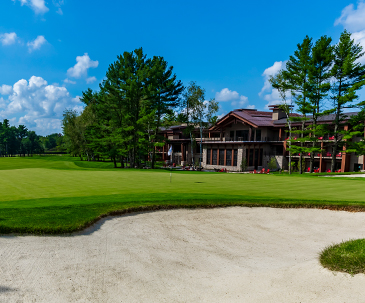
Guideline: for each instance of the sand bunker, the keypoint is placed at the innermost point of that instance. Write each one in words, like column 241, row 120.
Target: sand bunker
column 217, row 255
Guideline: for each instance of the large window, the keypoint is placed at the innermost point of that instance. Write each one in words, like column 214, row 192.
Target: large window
column 242, row 135
column 221, row 157
column 235, row 154
column 229, row 157
column 258, row 134
column 254, row 157
column 208, row 156
column 214, row 162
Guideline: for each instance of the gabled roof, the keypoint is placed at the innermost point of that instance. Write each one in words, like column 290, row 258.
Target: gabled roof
column 247, row 116
column 257, row 119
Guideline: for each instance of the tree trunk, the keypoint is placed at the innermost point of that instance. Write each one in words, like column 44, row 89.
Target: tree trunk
column 154, row 152
column 312, row 160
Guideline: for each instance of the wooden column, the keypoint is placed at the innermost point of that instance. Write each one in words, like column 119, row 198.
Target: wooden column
column 249, row 133
column 225, row 157
column 182, row 152
column 163, row 153
column 248, row 155
column 253, row 156
column 218, row 157
column 321, row 168
column 280, row 133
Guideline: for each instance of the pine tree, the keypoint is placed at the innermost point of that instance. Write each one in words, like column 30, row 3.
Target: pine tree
column 163, row 92
column 319, row 75
column 348, row 73
column 296, row 74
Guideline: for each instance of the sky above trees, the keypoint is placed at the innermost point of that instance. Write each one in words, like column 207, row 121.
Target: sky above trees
column 51, row 51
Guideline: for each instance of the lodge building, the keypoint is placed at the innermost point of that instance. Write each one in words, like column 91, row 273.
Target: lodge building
column 255, row 137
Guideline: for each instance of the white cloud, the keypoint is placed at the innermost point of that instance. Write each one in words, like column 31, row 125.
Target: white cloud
column 268, row 93
column 58, row 4
column 270, row 71
column 69, row 81
column 6, row 89
column 38, row 6
column 80, row 68
column 227, row 95
column 8, row 38
column 36, row 43
column 90, row 80
column 354, row 20
column 38, row 105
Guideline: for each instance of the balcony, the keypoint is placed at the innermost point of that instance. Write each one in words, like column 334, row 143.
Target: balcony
column 241, row 139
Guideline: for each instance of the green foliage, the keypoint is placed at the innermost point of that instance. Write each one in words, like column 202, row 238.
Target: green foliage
column 272, row 164
column 18, row 140
column 348, row 256
column 244, row 164
column 123, row 119
column 349, row 74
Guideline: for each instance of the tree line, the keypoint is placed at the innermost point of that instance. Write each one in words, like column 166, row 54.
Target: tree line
column 122, row 120
column 323, row 79
column 21, row 141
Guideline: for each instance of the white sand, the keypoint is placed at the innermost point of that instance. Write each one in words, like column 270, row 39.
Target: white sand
column 217, row 255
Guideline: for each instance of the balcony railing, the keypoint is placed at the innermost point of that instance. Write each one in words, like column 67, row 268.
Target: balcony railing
column 317, row 155
column 241, row 139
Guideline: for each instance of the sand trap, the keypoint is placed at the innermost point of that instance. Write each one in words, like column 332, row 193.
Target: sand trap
column 216, row 255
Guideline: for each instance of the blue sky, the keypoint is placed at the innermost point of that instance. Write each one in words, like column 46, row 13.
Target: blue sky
column 51, row 51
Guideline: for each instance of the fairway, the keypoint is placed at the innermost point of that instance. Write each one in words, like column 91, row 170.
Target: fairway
column 72, row 192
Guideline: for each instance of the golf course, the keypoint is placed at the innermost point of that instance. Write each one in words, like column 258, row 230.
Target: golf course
column 63, row 239
column 61, row 194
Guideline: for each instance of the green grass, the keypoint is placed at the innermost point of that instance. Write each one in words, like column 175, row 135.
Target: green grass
column 61, row 194
column 346, row 257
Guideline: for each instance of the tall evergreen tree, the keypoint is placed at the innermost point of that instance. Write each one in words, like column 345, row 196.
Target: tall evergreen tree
column 282, row 85
column 296, row 74
column 348, row 74
column 164, row 91
column 319, row 75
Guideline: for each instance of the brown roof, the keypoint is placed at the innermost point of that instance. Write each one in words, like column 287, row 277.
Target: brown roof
column 250, row 116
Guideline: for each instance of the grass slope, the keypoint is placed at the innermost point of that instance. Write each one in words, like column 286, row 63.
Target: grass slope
column 346, row 257
column 58, row 194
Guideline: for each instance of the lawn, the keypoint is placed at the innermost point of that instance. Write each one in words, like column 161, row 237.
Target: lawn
column 60, row 194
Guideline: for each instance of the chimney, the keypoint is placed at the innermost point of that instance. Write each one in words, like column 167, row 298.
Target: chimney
column 277, row 113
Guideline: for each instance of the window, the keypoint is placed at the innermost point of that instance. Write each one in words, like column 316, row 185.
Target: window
column 214, row 156
column 231, row 133
column 208, row 156
column 229, row 157
column 221, row 157
column 235, row 154
column 258, row 134
column 249, row 157
column 242, row 135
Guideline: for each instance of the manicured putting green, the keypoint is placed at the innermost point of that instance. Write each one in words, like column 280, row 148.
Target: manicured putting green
column 73, row 193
